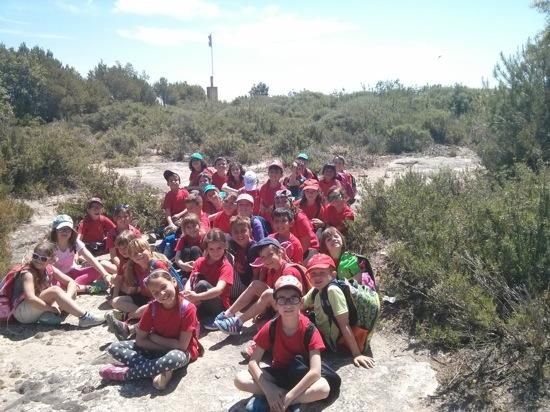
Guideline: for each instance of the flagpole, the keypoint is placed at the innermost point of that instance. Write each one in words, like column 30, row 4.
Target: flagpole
column 211, row 59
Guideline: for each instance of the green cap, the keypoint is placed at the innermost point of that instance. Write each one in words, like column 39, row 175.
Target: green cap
column 196, row 156
column 303, row 156
column 208, row 188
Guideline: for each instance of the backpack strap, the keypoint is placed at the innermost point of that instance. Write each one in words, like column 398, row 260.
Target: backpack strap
column 327, row 308
column 310, row 329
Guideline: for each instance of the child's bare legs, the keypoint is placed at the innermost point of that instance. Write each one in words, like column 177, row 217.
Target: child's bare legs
column 319, row 390
column 245, row 382
column 124, row 304
column 266, row 300
column 54, row 294
column 251, row 293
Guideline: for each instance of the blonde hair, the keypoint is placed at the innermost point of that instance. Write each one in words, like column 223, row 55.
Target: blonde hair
column 240, row 221
column 124, row 238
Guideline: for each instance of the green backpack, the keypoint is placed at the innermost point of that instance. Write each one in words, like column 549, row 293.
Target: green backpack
column 351, row 264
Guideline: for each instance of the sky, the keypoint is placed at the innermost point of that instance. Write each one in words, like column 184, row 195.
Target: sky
column 291, row 45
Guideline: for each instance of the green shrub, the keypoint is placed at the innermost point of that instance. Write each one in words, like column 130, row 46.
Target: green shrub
column 407, row 138
column 12, row 213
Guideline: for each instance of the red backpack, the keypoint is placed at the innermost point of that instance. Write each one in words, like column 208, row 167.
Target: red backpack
column 8, row 302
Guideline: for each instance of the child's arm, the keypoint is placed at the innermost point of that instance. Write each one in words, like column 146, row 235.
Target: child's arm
column 143, row 340
column 358, row 358
column 114, row 258
column 95, row 263
column 64, row 279
column 229, row 190
column 312, row 376
column 274, row 394
column 35, row 301
column 169, row 343
column 209, row 294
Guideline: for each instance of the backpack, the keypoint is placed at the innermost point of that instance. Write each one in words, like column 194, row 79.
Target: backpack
column 8, row 302
column 171, row 270
column 265, row 224
column 363, row 305
column 184, row 304
column 306, row 284
column 351, row 264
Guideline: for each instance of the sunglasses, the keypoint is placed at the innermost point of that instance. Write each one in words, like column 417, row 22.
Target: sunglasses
column 293, row 300
column 36, row 256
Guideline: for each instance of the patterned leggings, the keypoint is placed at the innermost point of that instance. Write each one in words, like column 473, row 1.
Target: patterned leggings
column 144, row 364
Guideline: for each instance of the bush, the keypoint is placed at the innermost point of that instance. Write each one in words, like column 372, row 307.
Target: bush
column 12, row 213
column 407, row 139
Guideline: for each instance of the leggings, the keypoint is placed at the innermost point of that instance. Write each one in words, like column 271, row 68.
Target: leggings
column 84, row 275
column 211, row 307
column 146, row 364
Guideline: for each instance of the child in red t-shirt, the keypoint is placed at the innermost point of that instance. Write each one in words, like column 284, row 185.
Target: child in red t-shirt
column 194, row 205
column 120, row 286
column 311, row 203
column 209, row 285
column 328, row 180
column 93, row 229
column 189, row 245
column 295, row 375
column 283, row 218
column 122, row 217
column 347, row 179
column 220, row 220
column 240, row 246
column 197, row 165
column 169, row 328
column 269, row 188
column 337, row 212
column 235, row 178
column 219, row 178
column 212, row 200
column 251, row 188
column 271, row 259
column 174, row 201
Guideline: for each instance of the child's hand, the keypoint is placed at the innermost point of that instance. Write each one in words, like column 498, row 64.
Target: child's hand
column 365, row 361
column 186, row 266
column 317, row 223
column 275, row 399
column 191, row 296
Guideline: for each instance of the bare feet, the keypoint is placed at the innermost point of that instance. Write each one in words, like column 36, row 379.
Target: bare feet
column 162, row 380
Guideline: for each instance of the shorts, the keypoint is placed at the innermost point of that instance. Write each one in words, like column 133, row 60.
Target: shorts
column 25, row 312
column 288, row 378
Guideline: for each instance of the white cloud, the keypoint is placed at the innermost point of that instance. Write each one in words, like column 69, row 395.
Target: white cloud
column 78, row 7
column 158, row 36
column 180, row 9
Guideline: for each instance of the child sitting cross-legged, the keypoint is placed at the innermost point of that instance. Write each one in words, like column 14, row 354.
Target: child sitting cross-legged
column 296, row 374
column 189, row 245
column 337, row 317
column 166, row 336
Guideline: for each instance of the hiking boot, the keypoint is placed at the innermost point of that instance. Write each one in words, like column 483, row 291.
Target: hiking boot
column 90, row 319
column 232, row 325
column 258, row 403
column 161, row 381
column 248, row 349
column 114, row 372
column 119, row 328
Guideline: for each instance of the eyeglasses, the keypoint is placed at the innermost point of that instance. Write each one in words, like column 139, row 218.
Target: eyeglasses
column 293, row 300
column 36, row 256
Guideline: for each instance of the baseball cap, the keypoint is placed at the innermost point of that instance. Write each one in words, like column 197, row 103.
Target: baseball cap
column 196, row 156
column 245, row 196
column 303, row 156
column 288, row 281
column 208, row 188
column 283, row 193
column 62, row 221
column 320, row 261
column 260, row 244
column 310, row 184
column 276, row 163
column 250, row 180
column 168, row 174
column 95, row 200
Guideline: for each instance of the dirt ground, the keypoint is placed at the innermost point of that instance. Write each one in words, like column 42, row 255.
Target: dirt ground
column 57, row 369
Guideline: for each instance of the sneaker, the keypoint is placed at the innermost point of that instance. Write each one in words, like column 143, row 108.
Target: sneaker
column 113, row 373
column 49, row 318
column 119, row 328
column 248, row 349
column 258, row 403
column 220, row 316
column 162, row 380
column 97, row 287
column 210, row 325
column 231, row 325
column 90, row 319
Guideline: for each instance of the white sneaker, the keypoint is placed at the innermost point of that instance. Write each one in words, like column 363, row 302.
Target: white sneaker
column 90, row 319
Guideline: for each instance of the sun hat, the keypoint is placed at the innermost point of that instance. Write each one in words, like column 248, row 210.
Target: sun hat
column 288, row 282
column 310, row 184
column 320, row 261
column 303, row 156
column 196, row 156
column 250, row 180
column 62, row 221
column 246, row 197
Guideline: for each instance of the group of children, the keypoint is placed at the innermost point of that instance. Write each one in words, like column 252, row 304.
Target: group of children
column 233, row 251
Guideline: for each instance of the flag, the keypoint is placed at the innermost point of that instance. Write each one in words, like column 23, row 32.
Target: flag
column 210, row 40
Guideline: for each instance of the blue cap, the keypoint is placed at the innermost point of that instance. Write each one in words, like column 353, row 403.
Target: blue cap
column 259, row 245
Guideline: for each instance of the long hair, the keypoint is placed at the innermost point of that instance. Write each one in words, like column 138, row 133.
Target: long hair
column 230, row 178
column 44, row 248
column 214, row 235
column 330, row 231
column 72, row 239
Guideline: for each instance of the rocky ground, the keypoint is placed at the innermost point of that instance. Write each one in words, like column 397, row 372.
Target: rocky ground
column 57, row 368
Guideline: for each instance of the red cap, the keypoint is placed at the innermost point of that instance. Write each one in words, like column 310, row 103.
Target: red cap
column 320, row 261
column 310, row 184
column 276, row 163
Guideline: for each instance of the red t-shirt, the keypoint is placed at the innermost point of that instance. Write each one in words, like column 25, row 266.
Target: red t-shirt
column 221, row 221
column 111, row 236
column 267, row 193
column 271, row 275
column 256, row 196
column 313, row 211
column 325, row 186
column 141, row 274
column 292, row 246
column 95, row 230
column 212, row 273
column 175, row 201
column 186, row 241
column 236, row 184
column 303, row 229
column 285, row 348
column 205, row 222
column 194, row 178
column 218, row 180
column 169, row 323
column 332, row 218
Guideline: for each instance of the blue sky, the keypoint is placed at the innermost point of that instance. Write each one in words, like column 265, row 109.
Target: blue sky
column 290, row 45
